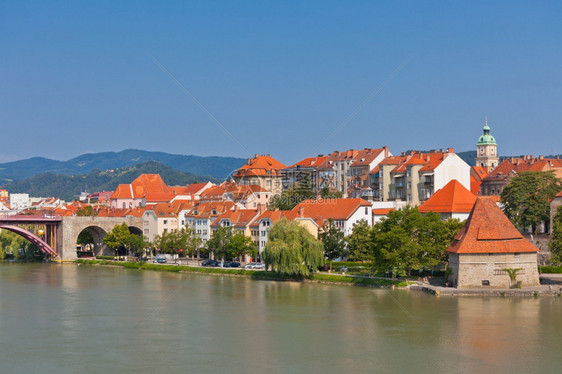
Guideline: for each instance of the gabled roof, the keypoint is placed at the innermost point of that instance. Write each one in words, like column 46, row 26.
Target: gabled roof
column 453, row 198
column 113, row 212
column 260, row 165
column 337, row 209
column 237, row 217
column 151, row 187
column 210, row 209
column 275, row 215
column 366, row 156
column 170, row 209
column 488, row 230
column 474, row 185
column 309, row 162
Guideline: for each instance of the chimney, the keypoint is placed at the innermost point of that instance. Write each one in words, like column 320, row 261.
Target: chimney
column 301, row 211
column 441, row 150
column 261, row 208
column 451, row 150
column 403, row 154
column 541, row 157
column 385, row 149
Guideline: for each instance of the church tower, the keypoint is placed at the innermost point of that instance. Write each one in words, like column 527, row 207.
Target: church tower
column 487, row 150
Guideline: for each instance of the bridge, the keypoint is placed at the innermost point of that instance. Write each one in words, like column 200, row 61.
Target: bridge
column 57, row 236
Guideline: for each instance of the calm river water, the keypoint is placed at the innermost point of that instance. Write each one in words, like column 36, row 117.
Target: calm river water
column 80, row 319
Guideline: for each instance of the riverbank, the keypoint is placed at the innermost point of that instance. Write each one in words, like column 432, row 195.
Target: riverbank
column 548, row 287
column 324, row 278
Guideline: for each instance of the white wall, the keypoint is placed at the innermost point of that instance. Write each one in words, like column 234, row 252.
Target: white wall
column 452, row 167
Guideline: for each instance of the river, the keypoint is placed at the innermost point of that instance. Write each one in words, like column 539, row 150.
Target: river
column 85, row 319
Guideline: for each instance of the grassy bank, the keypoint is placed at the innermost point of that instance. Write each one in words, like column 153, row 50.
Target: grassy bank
column 263, row 275
column 550, row 269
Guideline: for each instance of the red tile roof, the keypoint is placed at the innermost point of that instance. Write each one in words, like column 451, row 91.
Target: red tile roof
column 324, row 209
column 263, row 165
column 488, row 230
column 309, row 162
column 151, row 187
column 238, row 218
column 453, row 198
column 474, row 185
column 382, row 211
column 170, row 209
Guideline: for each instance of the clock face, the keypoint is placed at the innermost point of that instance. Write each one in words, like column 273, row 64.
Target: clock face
column 492, row 150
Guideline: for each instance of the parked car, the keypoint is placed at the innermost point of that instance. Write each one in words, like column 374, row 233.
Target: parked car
column 161, row 260
column 259, row 266
column 211, row 263
column 250, row 265
column 234, row 264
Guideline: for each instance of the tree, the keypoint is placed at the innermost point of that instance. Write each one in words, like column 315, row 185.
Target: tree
column 85, row 211
column 334, row 243
column 526, row 199
column 121, row 237
column 85, row 237
column 359, row 242
column 325, row 193
column 292, row 250
column 219, row 244
column 556, row 242
column 241, row 245
column 407, row 240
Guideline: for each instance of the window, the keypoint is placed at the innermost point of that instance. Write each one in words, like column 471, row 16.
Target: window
column 165, row 221
column 366, row 210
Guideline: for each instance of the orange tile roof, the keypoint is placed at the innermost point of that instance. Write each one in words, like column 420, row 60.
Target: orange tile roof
column 275, row 215
column 322, row 210
column 310, row 162
column 453, row 198
column 263, row 165
column 382, row 211
column 474, row 185
column 210, row 209
column 114, row 212
column 123, row 191
column 238, row 217
column 170, row 209
column 366, row 156
column 195, row 188
column 488, row 230
column 482, row 173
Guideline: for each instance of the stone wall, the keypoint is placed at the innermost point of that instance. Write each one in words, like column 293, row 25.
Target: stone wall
column 71, row 227
column 472, row 270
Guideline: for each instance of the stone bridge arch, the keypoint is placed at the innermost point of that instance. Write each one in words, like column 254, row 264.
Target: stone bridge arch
column 99, row 226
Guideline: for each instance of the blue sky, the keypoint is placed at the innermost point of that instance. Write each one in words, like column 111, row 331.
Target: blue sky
column 292, row 79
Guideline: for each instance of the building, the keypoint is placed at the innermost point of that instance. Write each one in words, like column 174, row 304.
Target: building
column 452, row 201
column 486, row 246
column 259, row 228
column 415, row 176
column 261, row 170
column 477, row 174
column 19, row 201
column 147, row 189
column 497, row 179
column 4, row 196
column 191, row 192
column 344, row 212
column 162, row 218
column 304, row 170
column 487, row 150
column 358, row 176
column 200, row 218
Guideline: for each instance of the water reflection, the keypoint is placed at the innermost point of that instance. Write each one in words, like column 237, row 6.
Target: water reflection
column 67, row 319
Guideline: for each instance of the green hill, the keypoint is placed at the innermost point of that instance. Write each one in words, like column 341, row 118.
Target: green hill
column 69, row 187
column 216, row 167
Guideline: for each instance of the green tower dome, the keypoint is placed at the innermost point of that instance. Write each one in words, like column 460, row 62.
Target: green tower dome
column 486, row 138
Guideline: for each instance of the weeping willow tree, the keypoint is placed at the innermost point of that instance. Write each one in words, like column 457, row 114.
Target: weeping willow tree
column 292, row 250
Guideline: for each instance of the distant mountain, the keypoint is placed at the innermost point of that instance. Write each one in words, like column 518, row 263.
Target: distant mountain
column 216, row 167
column 468, row 156
column 69, row 187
